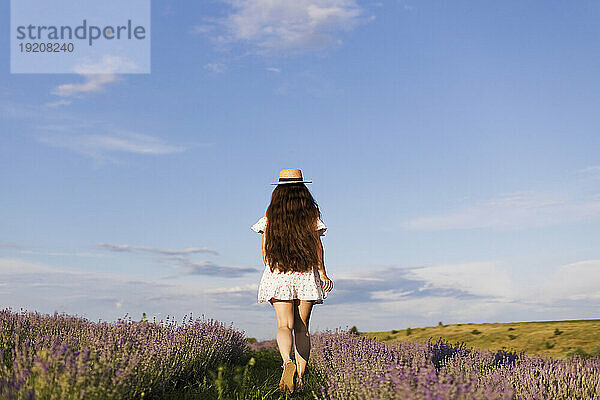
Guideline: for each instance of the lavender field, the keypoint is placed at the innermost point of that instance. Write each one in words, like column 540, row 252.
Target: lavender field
column 67, row 357
column 355, row 367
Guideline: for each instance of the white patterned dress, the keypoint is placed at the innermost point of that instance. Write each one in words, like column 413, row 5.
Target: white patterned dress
column 290, row 285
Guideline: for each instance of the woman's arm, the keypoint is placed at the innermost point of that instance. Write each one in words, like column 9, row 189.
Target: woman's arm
column 320, row 256
column 327, row 283
column 264, row 254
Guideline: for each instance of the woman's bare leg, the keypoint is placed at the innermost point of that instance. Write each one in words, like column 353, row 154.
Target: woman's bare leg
column 302, row 309
column 284, row 311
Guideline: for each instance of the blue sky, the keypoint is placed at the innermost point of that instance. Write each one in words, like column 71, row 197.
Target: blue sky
column 453, row 148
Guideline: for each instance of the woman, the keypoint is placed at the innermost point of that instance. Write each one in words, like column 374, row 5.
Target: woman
column 294, row 277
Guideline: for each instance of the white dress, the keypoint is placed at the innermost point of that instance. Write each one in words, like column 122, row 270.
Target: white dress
column 290, row 285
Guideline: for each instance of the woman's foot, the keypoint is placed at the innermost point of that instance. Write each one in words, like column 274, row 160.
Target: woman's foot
column 287, row 377
column 301, row 379
column 299, row 384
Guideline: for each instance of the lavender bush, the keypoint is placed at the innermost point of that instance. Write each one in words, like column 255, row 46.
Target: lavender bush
column 354, row 367
column 66, row 357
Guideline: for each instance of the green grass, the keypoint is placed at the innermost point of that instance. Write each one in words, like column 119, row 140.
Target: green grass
column 245, row 381
column 560, row 339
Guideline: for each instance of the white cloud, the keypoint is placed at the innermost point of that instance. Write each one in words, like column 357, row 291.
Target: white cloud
column 273, row 69
column 487, row 281
column 513, row 211
column 575, row 281
column 93, row 138
column 96, row 76
column 484, row 279
column 484, row 291
column 563, row 287
column 92, row 83
column 114, row 141
column 97, row 139
column 270, row 26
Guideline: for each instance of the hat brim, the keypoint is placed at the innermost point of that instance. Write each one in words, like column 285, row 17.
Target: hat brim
column 283, row 183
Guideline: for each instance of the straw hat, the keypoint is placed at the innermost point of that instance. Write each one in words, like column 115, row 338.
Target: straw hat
column 290, row 176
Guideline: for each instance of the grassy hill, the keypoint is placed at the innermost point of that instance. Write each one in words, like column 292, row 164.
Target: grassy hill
column 559, row 339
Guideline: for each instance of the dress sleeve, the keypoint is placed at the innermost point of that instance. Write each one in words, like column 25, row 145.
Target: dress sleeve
column 260, row 225
column 321, row 227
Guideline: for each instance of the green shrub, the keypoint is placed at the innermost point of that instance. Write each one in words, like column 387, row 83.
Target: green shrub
column 354, row 330
column 579, row 351
column 394, row 331
column 557, row 332
column 511, row 329
column 548, row 345
column 475, row 332
column 512, row 337
column 408, row 331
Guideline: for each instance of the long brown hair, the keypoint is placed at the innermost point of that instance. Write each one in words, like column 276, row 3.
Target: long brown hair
column 292, row 241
